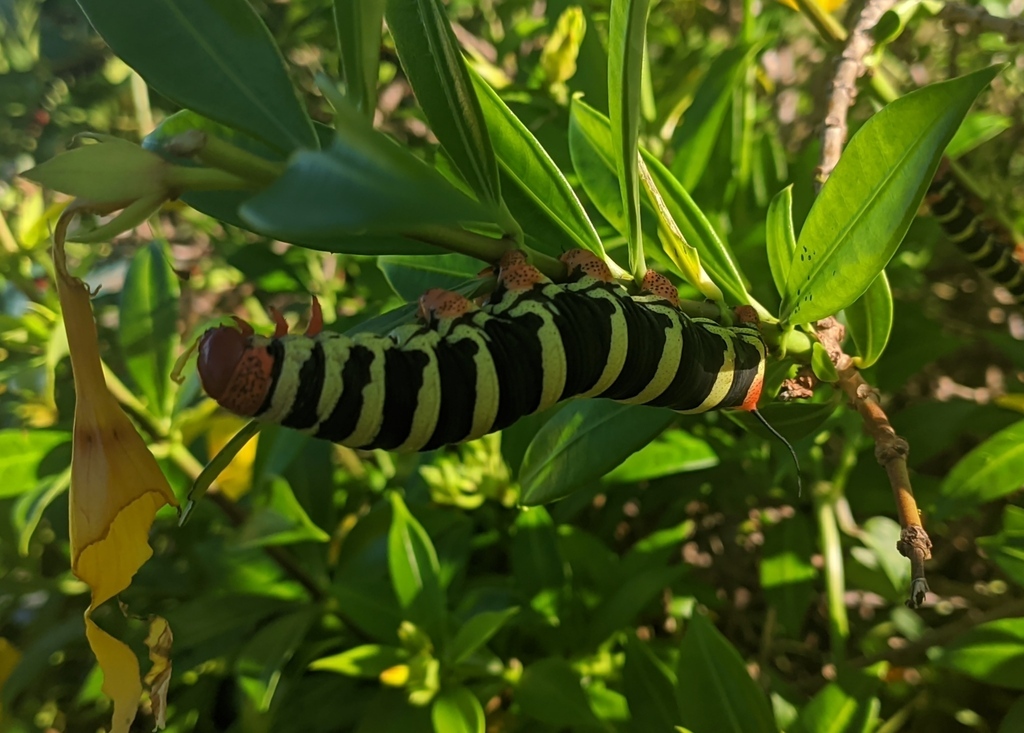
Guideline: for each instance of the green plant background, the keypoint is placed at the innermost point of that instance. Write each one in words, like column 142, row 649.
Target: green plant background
column 685, row 584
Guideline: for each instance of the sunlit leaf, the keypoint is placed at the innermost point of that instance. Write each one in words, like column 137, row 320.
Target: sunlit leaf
column 224, row 63
column 859, row 218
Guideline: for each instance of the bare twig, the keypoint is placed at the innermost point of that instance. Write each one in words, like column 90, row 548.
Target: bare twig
column 843, row 91
column 891, row 451
column 980, row 20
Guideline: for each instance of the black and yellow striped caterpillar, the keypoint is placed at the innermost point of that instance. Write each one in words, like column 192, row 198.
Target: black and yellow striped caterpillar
column 987, row 243
column 467, row 370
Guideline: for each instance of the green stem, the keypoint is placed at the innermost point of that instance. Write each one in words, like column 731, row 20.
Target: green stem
column 835, row 578
column 180, row 179
column 486, row 249
column 218, row 153
column 830, row 29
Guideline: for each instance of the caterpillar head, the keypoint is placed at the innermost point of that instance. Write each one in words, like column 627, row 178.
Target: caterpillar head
column 235, row 372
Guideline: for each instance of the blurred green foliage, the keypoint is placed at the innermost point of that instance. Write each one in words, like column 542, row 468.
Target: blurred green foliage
column 323, row 589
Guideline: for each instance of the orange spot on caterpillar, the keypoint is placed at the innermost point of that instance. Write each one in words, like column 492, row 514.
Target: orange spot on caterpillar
column 657, row 284
column 516, row 273
column 438, row 303
column 588, row 263
column 747, row 314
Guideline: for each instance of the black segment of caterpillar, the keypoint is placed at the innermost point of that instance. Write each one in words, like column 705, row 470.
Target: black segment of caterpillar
column 988, row 244
column 465, row 370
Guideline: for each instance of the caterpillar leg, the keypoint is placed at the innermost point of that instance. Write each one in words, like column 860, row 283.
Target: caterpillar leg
column 657, row 284
column 586, row 263
column 439, row 304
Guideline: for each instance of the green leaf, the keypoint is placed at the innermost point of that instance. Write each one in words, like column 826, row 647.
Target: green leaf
column 1014, row 720
column 675, row 451
column 703, row 119
column 869, row 320
column 537, row 564
column 624, row 604
column 363, row 184
column 550, row 692
column 108, row 172
column 992, row 653
column 590, row 145
column 787, row 575
column 627, row 33
column 414, row 570
column 476, row 632
column 21, row 452
column 148, row 329
column 216, row 58
column 358, row 24
column 822, row 365
column 865, row 208
column 278, row 520
column 262, row 659
column 715, row 692
column 992, row 470
column 368, row 604
column 649, row 686
column 368, row 660
column 534, row 174
column 977, row 129
column 1007, row 547
column 880, row 536
column 674, row 244
column 457, row 710
column 433, row 62
column 582, row 442
column 28, row 510
column 848, row 705
column 410, row 276
column 781, row 240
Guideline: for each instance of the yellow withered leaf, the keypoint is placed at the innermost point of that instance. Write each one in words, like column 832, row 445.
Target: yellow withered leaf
column 116, row 489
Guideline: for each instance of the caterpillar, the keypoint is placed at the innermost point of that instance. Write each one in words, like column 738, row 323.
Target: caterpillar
column 988, row 244
column 465, row 370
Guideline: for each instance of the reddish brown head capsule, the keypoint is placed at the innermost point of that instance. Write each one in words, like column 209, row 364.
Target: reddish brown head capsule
column 233, row 371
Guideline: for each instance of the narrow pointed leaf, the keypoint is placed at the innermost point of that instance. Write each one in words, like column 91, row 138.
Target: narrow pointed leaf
column 992, row 470
column 433, row 62
column 704, row 118
column 869, row 320
column 590, row 144
column 529, row 166
column 627, row 30
column 359, row 25
column 216, row 58
column 649, row 687
column 780, row 236
column 414, row 570
column 363, row 184
column 715, row 692
column 582, row 442
column 148, row 325
column 865, row 208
